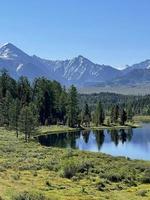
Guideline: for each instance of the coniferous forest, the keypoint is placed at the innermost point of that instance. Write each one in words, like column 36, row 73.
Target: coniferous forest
column 25, row 105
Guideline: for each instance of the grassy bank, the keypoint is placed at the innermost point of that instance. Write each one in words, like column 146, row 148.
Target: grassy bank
column 126, row 126
column 61, row 174
column 142, row 118
column 55, row 129
column 60, row 128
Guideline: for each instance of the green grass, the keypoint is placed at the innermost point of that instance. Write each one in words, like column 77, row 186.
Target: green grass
column 126, row 126
column 142, row 118
column 61, row 128
column 55, row 129
column 28, row 169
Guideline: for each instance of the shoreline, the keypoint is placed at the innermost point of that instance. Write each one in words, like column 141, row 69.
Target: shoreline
column 45, row 130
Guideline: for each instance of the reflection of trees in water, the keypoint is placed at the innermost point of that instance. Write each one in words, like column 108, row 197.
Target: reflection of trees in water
column 99, row 135
column 60, row 140
column 126, row 135
column 85, row 135
column 129, row 134
column 121, row 135
column 114, row 134
column 71, row 139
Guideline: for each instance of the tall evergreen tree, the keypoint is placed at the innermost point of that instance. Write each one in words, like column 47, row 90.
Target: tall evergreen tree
column 129, row 112
column 86, row 115
column 44, row 100
column 115, row 114
column 123, row 117
column 4, row 109
column 63, row 106
column 7, row 84
column 4, row 79
column 28, row 121
column 72, row 109
column 14, row 112
column 99, row 115
column 24, row 90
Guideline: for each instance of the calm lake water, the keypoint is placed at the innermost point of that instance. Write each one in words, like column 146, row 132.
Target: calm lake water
column 132, row 143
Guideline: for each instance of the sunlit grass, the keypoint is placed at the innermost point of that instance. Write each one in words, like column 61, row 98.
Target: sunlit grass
column 36, row 169
column 143, row 118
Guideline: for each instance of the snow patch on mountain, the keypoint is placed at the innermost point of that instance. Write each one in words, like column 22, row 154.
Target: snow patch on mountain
column 78, row 71
column 19, row 67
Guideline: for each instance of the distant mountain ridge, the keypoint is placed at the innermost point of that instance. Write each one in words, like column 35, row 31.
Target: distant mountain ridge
column 79, row 70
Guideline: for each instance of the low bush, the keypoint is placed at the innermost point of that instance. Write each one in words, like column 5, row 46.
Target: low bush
column 113, row 177
column 101, row 185
column 69, row 169
column 146, row 176
column 15, row 176
column 142, row 193
column 84, row 166
column 29, row 196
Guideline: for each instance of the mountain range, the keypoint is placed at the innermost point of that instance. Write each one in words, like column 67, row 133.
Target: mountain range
column 79, row 70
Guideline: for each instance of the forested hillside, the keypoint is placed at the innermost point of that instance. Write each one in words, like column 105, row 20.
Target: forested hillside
column 139, row 105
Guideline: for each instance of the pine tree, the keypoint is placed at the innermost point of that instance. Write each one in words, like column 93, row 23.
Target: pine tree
column 24, row 90
column 86, row 115
column 7, row 84
column 28, row 121
column 115, row 114
column 4, row 109
column 4, row 76
column 14, row 112
column 63, row 106
column 129, row 112
column 123, row 117
column 72, row 109
column 43, row 97
column 99, row 115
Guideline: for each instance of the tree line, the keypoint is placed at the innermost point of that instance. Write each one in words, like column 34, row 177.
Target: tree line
column 98, row 117
column 138, row 104
column 25, row 105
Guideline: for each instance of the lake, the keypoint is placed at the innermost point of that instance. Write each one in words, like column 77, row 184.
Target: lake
column 132, row 143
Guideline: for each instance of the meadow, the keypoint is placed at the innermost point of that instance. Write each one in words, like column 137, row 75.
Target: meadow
column 31, row 171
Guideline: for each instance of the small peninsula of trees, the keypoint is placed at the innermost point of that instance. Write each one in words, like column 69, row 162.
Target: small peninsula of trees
column 25, row 105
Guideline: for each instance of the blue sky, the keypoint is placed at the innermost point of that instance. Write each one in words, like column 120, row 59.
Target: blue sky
column 115, row 32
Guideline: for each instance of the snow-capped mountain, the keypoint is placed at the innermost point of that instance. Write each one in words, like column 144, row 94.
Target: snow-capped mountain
column 19, row 63
column 79, row 70
column 142, row 65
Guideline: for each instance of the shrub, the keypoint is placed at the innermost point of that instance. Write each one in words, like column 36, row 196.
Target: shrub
column 142, row 193
column 113, row 177
column 2, row 169
column 84, row 166
column 146, row 176
column 146, row 179
column 15, row 176
column 29, row 196
column 51, row 165
column 101, row 185
column 69, row 169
